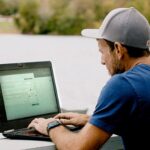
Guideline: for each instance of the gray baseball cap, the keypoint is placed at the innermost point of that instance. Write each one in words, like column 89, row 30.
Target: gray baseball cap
column 125, row 25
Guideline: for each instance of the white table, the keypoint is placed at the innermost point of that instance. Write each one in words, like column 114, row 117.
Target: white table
column 114, row 143
column 10, row 144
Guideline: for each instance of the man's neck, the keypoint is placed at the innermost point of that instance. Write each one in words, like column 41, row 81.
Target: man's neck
column 135, row 61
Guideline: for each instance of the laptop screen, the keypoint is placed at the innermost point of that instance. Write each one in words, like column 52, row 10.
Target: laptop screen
column 27, row 90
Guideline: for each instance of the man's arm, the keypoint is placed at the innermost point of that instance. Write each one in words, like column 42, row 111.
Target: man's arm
column 88, row 138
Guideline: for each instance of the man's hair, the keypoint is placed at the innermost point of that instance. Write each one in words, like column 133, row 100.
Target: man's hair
column 132, row 51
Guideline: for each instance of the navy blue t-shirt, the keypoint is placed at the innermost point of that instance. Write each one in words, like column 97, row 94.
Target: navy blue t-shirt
column 123, row 107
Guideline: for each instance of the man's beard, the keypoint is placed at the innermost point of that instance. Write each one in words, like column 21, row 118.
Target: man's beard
column 118, row 67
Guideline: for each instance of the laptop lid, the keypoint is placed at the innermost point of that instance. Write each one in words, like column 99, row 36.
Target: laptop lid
column 27, row 90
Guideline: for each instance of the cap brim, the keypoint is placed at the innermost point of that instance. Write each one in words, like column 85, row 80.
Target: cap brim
column 92, row 33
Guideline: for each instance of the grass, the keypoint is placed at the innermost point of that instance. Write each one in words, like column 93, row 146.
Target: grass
column 8, row 27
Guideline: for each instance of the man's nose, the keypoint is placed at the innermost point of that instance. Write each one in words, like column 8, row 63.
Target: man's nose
column 102, row 61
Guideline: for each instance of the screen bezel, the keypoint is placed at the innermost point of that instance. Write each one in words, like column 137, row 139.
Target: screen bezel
column 20, row 123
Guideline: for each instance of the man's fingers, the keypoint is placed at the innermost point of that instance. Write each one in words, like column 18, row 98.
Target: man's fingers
column 66, row 121
column 62, row 116
column 32, row 124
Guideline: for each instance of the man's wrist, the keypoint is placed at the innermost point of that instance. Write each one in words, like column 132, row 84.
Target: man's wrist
column 52, row 125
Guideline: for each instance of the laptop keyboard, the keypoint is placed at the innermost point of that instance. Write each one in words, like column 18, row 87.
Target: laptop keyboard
column 25, row 133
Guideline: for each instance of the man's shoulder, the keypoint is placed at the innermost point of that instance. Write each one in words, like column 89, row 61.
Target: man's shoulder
column 118, row 82
column 117, row 78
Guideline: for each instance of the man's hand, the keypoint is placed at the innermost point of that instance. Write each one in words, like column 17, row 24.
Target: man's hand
column 40, row 124
column 75, row 119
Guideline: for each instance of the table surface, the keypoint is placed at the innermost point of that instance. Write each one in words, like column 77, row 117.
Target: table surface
column 114, row 143
column 9, row 144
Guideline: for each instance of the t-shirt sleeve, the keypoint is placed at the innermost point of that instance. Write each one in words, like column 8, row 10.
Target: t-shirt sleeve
column 115, row 104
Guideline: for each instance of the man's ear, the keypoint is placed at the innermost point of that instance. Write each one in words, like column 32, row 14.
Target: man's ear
column 119, row 50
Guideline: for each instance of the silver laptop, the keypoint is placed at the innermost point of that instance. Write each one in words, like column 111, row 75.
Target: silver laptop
column 27, row 90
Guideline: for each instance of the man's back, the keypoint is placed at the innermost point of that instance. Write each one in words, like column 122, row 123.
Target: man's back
column 138, row 122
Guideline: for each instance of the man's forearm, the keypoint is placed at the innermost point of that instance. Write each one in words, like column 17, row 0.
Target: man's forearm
column 88, row 138
column 64, row 139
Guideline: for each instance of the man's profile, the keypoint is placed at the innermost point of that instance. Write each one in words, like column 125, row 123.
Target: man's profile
column 123, row 107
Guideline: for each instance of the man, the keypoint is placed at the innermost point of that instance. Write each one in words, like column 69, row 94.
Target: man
column 123, row 107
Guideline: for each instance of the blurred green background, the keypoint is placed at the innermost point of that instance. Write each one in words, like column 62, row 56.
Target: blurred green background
column 59, row 17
